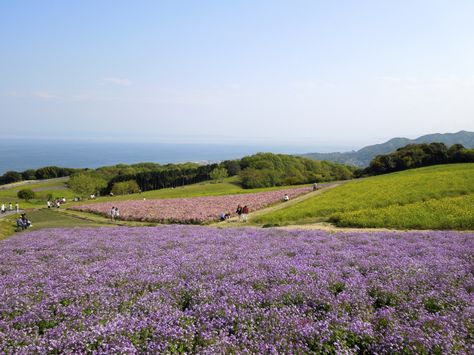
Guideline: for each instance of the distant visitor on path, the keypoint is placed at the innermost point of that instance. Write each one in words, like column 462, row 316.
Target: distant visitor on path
column 286, row 198
column 112, row 213
column 117, row 213
column 245, row 212
column 10, row 206
column 3, row 208
column 239, row 212
column 48, row 204
column 315, row 186
column 17, row 207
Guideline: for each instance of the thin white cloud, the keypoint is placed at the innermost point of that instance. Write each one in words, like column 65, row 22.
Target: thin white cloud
column 117, row 81
column 43, row 94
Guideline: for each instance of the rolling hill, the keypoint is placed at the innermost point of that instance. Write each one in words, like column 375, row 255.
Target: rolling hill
column 435, row 197
column 362, row 157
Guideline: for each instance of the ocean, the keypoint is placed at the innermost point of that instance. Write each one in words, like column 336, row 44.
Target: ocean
column 20, row 155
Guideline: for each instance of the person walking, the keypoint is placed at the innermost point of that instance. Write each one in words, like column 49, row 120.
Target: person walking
column 17, row 207
column 112, row 213
column 48, row 204
column 239, row 212
column 3, row 208
column 117, row 213
column 245, row 212
column 10, row 206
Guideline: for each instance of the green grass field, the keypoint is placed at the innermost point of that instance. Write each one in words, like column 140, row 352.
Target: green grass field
column 56, row 187
column 44, row 218
column 437, row 197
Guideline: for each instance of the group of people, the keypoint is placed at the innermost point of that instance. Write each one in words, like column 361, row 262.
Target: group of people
column 23, row 222
column 242, row 213
column 3, row 208
column 114, row 213
column 56, row 203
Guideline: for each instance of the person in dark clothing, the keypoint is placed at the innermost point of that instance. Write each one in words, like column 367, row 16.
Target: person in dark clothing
column 239, row 212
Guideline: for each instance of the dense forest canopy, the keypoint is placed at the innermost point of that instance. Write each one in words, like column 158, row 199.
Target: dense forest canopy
column 267, row 169
column 418, row 155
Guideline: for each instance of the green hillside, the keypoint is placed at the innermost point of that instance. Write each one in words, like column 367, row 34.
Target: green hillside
column 54, row 188
column 363, row 156
column 436, row 197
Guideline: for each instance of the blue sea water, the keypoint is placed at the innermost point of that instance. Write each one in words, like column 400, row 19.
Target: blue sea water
column 20, row 155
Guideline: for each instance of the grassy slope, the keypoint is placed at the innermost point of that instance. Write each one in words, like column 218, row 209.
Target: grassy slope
column 45, row 218
column 438, row 197
column 56, row 187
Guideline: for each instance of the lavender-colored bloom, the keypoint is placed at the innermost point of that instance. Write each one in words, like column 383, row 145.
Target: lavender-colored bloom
column 206, row 290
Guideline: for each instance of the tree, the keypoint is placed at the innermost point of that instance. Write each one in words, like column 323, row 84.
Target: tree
column 218, row 174
column 29, row 174
column 26, row 194
column 125, row 187
column 232, row 166
column 85, row 184
column 11, row 176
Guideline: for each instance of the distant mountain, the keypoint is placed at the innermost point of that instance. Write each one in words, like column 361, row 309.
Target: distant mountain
column 363, row 156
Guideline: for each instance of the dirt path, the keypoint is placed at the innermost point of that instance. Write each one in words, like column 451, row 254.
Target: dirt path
column 323, row 187
column 9, row 213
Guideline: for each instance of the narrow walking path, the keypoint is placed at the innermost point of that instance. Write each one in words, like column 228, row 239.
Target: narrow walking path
column 9, row 213
column 322, row 188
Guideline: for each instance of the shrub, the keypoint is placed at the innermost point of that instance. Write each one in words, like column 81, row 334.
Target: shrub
column 125, row 187
column 26, row 194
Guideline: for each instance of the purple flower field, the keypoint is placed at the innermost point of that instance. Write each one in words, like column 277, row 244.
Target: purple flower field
column 204, row 290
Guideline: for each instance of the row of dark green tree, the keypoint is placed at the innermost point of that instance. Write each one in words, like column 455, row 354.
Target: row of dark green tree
column 47, row 172
column 416, row 156
column 259, row 170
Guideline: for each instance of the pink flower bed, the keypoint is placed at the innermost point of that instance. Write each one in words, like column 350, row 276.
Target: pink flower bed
column 190, row 210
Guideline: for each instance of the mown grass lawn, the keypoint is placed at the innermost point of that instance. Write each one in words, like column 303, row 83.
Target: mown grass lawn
column 44, row 218
column 55, row 187
column 437, row 197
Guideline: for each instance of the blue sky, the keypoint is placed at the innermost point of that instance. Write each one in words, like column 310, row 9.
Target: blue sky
column 337, row 73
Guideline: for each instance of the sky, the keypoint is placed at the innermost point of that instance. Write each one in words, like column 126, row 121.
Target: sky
column 317, row 73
